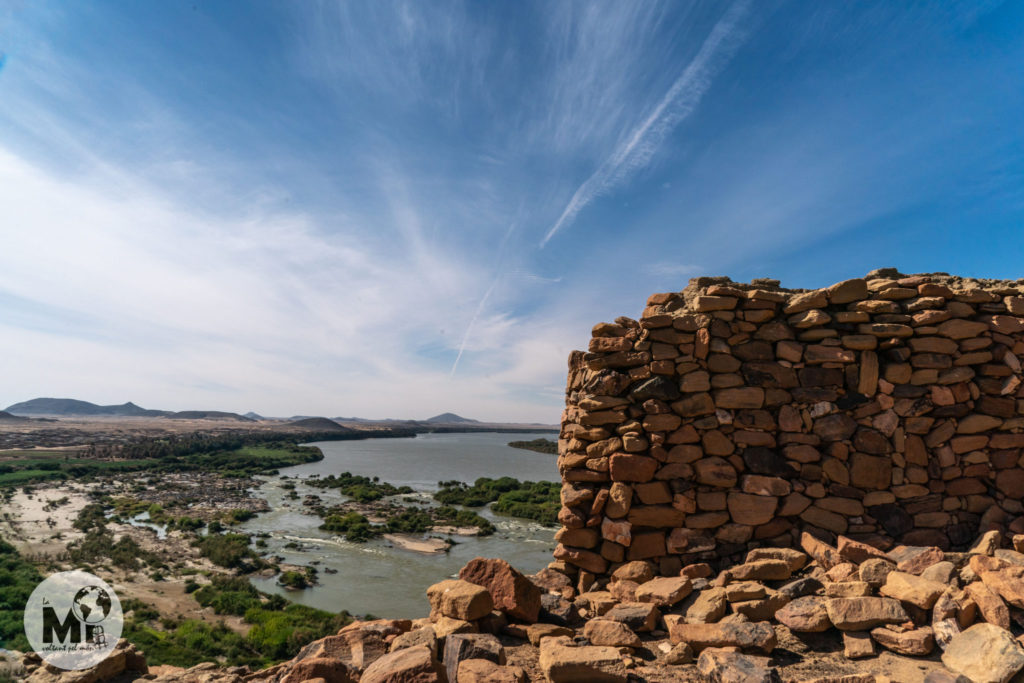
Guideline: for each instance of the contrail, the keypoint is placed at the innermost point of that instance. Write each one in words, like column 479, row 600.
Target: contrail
column 678, row 103
column 483, row 299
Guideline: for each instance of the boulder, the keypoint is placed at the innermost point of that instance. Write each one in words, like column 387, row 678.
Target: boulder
column 408, row 665
column 794, row 558
column 984, row 653
column 512, row 592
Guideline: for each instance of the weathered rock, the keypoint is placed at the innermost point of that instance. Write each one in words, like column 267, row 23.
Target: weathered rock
column 326, row 668
column 486, row 671
column 917, row 642
column 424, row 636
column 611, row 633
column 707, row 606
column 664, row 591
column 638, row 616
column 746, row 636
column 536, row 633
column 913, row 589
column 985, row 654
column 858, row 645
column 860, row 614
column 408, row 665
column 511, row 591
column 825, row 555
column 723, row 666
column 562, row 663
column 470, row 646
column 794, row 558
column 874, row 571
column 992, row 608
column 805, row 615
column 459, row 599
column 762, row 570
column 638, row 571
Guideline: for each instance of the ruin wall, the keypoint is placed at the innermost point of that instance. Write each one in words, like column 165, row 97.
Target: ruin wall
column 888, row 409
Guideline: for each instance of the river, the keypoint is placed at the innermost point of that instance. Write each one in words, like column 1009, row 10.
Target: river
column 375, row 577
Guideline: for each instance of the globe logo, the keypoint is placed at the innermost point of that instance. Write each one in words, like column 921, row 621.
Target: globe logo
column 91, row 604
column 73, row 620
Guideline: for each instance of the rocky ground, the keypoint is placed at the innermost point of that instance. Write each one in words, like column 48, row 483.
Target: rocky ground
column 822, row 614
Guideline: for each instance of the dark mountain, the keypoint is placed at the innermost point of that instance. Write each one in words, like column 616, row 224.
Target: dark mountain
column 208, row 415
column 254, row 416
column 70, row 406
column 320, row 424
column 7, row 417
column 449, row 418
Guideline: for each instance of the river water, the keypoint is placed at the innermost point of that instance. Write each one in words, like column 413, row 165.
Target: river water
column 375, row 577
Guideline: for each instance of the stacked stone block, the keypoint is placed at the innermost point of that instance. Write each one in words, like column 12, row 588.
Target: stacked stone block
column 732, row 416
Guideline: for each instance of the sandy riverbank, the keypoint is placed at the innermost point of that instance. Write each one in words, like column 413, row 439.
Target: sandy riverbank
column 417, row 544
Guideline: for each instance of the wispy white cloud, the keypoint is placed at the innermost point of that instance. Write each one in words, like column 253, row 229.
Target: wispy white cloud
column 636, row 150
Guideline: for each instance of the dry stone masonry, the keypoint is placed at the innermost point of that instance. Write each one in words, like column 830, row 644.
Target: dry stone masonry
column 734, row 416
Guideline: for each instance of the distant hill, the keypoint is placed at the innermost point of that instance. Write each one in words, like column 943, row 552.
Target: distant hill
column 208, row 415
column 254, row 416
column 449, row 418
column 320, row 424
column 70, row 406
column 7, row 417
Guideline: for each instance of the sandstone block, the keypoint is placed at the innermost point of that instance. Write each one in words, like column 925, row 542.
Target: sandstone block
column 859, row 614
column 638, row 616
column 918, row 642
column 486, row 671
column 470, row 646
column 912, row 589
column 408, row 664
column 805, row 615
column 723, row 666
column 459, row 599
column 510, row 590
column 562, row 663
column 610, row 633
column 857, row 645
column 985, row 654
column 665, row 591
column 746, row 636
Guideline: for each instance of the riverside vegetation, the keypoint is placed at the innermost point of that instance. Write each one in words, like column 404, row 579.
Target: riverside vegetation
column 197, row 489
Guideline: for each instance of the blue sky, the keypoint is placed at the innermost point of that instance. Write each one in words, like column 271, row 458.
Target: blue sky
column 394, row 209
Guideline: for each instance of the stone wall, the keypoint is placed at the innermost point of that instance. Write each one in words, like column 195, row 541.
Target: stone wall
column 887, row 409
